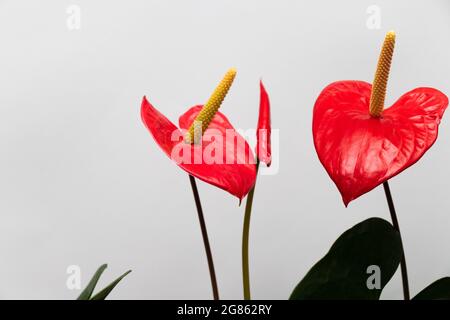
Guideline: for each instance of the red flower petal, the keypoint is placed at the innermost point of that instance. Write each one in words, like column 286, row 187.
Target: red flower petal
column 237, row 176
column 263, row 146
column 360, row 152
column 228, row 161
column 159, row 126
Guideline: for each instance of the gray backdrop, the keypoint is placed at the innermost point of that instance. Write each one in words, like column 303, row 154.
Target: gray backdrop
column 83, row 183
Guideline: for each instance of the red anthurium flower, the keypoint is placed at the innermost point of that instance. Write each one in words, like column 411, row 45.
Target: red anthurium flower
column 263, row 146
column 360, row 144
column 220, row 157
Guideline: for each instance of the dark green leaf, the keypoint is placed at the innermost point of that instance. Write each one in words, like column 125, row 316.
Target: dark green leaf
column 343, row 272
column 105, row 292
column 87, row 292
column 438, row 290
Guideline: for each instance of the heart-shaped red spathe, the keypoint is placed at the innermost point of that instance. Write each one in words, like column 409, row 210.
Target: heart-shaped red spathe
column 223, row 159
column 360, row 152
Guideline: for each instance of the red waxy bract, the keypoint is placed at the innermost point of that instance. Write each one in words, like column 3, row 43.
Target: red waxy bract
column 263, row 146
column 235, row 171
column 361, row 152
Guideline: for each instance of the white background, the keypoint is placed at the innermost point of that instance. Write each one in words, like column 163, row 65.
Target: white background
column 83, row 183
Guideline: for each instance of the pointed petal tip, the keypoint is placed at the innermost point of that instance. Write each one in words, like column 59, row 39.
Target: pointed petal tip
column 145, row 102
column 261, row 85
column 267, row 160
column 347, row 199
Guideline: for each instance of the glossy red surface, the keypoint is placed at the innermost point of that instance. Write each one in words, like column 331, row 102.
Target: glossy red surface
column 360, row 152
column 224, row 162
column 263, row 146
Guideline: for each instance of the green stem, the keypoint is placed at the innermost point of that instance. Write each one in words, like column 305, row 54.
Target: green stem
column 201, row 219
column 404, row 271
column 245, row 237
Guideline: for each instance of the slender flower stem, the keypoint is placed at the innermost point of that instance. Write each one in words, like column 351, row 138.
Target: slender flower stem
column 404, row 271
column 201, row 219
column 245, row 237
